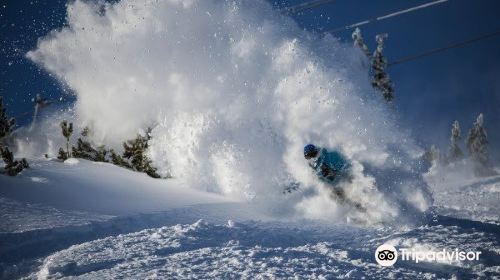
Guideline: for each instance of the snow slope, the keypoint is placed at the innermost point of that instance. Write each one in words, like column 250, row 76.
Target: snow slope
column 99, row 187
column 53, row 204
column 195, row 235
column 458, row 193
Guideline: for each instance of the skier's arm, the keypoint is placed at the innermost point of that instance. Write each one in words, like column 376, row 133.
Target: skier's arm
column 328, row 172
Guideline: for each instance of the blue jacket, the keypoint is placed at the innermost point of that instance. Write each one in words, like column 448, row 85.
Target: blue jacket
column 330, row 166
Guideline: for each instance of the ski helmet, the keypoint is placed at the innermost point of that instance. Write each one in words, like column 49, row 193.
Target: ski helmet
column 310, row 150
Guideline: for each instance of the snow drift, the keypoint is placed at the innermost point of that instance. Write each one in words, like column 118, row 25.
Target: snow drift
column 97, row 187
column 233, row 91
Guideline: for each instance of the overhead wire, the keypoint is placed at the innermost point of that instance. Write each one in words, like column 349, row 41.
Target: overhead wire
column 442, row 49
column 313, row 4
column 393, row 14
column 305, row 6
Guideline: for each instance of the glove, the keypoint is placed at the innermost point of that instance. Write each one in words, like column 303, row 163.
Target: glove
column 328, row 173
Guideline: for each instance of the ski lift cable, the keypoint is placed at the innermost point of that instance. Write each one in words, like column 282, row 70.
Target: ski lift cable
column 442, row 49
column 306, row 6
column 394, row 14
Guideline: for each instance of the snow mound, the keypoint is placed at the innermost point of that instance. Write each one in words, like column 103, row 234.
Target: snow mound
column 97, row 188
column 233, row 91
column 71, row 161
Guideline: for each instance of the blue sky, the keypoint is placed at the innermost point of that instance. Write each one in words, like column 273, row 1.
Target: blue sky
column 431, row 92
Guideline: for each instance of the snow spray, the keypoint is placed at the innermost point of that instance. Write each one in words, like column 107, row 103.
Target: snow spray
column 233, row 90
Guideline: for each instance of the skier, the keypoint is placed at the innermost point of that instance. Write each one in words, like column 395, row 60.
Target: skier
column 331, row 167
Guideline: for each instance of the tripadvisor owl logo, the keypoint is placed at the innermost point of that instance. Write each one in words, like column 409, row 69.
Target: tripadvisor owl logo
column 386, row 255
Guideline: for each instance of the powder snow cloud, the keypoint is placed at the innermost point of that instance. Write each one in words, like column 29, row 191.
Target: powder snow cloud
column 233, row 91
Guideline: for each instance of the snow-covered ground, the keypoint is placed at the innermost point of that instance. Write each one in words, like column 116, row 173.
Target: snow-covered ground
column 100, row 230
column 457, row 193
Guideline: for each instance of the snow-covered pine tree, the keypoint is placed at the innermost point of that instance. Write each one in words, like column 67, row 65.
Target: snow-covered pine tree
column 62, row 154
column 477, row 142
column 135, row 151
column 455, row 151
column 12, row 166
column 6, row 123
column 381, row 80
column 360, row 42
column 118, row 160
column 101, row 153
column 85, row 150
column 150, row 170
column 67, row 130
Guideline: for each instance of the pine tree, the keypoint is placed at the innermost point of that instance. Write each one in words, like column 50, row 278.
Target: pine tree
column 381, row 80
column 135, row 151
column 6, row 123
column 359, row 42
column 101, row 153
column 12, row 166
column 67, row 130
column 477, row 142
column 118, row 160
column 62, row 155
column 85, row 150
column 150, row 170
column 455, row 151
